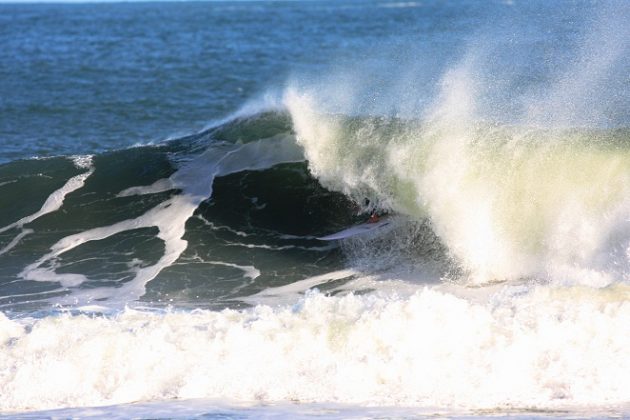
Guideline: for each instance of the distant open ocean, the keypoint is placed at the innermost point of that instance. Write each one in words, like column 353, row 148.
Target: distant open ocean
column 166, row 169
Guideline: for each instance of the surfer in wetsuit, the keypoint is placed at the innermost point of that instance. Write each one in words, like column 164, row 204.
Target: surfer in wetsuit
column 374, row 215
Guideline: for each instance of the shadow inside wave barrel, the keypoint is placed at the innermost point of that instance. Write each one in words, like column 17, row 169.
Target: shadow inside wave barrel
column 257, row 231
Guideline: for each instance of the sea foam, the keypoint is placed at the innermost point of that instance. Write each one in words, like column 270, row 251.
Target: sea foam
column 541, row 348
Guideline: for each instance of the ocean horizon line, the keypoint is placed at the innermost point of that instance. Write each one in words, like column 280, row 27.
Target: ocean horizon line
column 35, row 2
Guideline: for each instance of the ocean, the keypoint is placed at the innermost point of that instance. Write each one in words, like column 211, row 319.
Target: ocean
column 166, row 170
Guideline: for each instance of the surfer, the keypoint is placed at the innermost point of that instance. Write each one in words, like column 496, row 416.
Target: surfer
column 377, row 220
column 374, row 215
column 373, row 218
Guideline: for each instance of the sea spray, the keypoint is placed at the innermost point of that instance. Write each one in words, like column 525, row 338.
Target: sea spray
column 508, row 201
column 511, row 194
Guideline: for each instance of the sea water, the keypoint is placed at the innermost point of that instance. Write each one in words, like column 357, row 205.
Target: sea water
column 166, row 168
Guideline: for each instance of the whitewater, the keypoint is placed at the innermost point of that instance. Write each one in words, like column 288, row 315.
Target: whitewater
column 184, row 279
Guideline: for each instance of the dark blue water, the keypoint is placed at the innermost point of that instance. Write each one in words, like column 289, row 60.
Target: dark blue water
column 93, row 77
column 78, row 79
column 166, row 170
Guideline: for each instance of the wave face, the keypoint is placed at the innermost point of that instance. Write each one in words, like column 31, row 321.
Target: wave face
column 190, row 270
column 112, row 223
column 197, row 251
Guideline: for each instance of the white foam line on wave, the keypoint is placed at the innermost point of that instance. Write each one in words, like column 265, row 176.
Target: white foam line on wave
column 242, row 234
column 21, row 295
column 291, row 292
column 158, row 186
column 15, row 241
column 82, row 161
column 221, row 227
column 283, row 247
column 249, row 271
column 53, row 202
column 195, row 180
column 8, row 182
column 288, row 236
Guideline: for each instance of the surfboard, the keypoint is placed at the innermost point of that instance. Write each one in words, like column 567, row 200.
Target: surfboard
column 356, row 230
